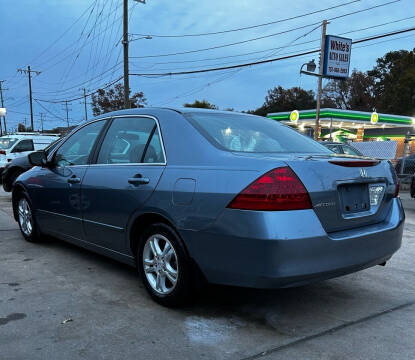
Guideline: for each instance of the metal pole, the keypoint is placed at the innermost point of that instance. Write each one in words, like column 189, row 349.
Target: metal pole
column 41, row 121
column 320, row 79
column 86, row 111
column 405, row 152
column 67, row 114
column 2, row 105
column 331, row 127
column 125, row 45
column 30, row 97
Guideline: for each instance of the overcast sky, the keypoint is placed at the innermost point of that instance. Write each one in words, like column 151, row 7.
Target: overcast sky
column 76, row 44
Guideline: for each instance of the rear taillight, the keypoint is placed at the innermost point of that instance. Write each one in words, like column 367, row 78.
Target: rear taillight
column 278, row 189
column 2, row 152
column 396, row 189
column 395, row 179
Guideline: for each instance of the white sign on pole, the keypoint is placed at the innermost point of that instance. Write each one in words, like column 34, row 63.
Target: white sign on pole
column 2, row 111
column 337, row 57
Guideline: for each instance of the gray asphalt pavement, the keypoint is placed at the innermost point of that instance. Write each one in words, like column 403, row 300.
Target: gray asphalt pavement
column 61, row 302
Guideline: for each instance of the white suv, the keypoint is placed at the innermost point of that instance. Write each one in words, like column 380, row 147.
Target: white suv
column 20, row 144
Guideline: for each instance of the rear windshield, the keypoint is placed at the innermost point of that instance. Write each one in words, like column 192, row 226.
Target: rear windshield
column 255, row 134
column 7, row 143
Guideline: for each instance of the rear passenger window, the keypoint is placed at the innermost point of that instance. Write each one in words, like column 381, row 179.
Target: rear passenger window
column 131, row 140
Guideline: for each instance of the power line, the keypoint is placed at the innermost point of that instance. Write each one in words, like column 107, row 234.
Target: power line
column 47, row 110
column 276, row 48
column 381, row 42
column 264, row 36
column 196, row 90
column 88, row 82
column 268, row 60
column 80, row 97
column 64, row 33
column 76, row 42
column 249, row 27
column 235, row 71
column 80, row 84
column 252, row 58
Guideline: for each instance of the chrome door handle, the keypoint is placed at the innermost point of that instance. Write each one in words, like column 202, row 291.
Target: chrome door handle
column 74, row 180
column 138, row 180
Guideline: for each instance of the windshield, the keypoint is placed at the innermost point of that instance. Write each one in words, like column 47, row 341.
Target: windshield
column 248, row 133
column 7, row 143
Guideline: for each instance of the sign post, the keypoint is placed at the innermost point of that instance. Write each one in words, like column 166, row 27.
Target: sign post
column 320, row 79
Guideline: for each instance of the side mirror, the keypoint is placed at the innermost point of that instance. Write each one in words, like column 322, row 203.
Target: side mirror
column 38, row 158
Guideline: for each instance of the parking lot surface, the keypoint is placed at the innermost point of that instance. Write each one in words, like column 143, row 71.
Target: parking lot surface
column 58, row 301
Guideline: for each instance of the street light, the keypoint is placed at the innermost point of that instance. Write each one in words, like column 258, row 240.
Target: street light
column 311, row 67
column 147, row 37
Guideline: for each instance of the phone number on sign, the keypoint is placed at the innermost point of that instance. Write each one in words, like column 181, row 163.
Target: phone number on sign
column 337, row 70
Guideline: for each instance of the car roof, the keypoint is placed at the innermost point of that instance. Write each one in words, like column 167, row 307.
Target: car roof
column 160, row 110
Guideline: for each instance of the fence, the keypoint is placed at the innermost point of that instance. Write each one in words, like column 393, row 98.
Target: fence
column 405, row 165
column 377, row 149
column 401, row 154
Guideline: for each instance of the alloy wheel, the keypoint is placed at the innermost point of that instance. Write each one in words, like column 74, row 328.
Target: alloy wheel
column 25, row 217
column 160, row 264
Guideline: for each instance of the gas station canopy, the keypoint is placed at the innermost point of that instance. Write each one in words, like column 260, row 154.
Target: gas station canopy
column 334, row 118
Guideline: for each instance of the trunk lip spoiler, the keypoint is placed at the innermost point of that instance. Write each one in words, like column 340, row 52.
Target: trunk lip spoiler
column 355, row 162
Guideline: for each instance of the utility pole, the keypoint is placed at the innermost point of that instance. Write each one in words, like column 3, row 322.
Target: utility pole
column 320, row 79
column 41, row 121
column 125, row 45
column 29, row 74
column 67, row 113
column 86, row 111
column 2, row 105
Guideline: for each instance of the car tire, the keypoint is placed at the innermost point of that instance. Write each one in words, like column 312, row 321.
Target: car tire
column 164, row 266
column 8, row 184
column 26, row 219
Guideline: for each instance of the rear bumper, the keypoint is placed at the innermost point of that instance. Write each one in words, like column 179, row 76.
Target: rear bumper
column 290, row 248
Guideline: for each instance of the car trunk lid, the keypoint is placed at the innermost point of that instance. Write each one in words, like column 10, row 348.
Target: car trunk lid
column 346, row 192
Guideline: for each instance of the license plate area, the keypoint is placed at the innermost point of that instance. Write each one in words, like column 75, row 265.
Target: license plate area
column 354, row 198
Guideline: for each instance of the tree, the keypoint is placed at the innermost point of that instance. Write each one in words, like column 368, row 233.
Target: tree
column 106, row 100
column 394, row 76
column 21, row 127
column 280, row 99
column 357, row 92
column 204, row 104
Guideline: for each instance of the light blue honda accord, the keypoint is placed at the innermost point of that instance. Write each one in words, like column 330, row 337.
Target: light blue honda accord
column 189, row 195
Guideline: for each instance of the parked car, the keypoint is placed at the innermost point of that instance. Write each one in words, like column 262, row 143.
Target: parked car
column 408, row 167
column 341, row 148
column 191, row 194
column 13, row 169
column 19, row 144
